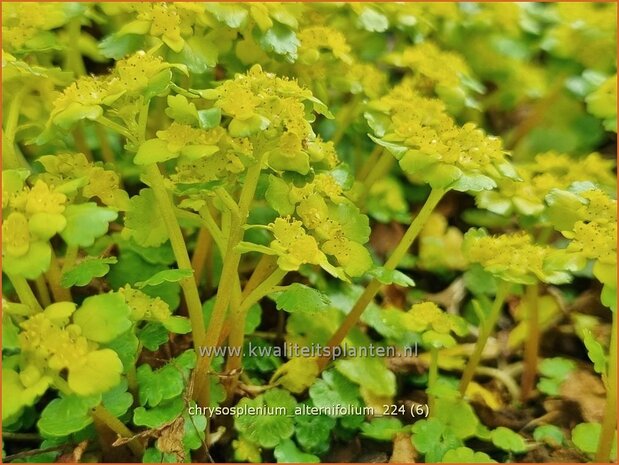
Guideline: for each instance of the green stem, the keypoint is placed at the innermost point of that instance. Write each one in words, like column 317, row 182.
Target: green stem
column 53, row 278
column 42, row 291
column 70, row 258
column 369, row 163
column 24, row 292
column 487, row 328
column 101, row 414
column 229, row 278
column 374, row 286
column 201, row 253
column 116, row 128
column 177, row 241
column 609, row 423
column 188, row 285
column 107, row 154
column 11, row 158
column 531, row 348
column 432, row 376
column 345, row 118
column 74, row 60
column 379, row 170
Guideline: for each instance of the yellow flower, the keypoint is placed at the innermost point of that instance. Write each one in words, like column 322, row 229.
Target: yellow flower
column 41, row 199
column 514, row 257
column 15, row 235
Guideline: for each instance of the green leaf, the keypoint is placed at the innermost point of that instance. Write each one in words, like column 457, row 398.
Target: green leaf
column 103, row 317
column 181, row 109
column 117, row 46
column 466, row 455
column 117, row 400
column 86, row 271
column 159, row 385
column 153, row 151
column 267, row 430
column 143, row 223
column 281, row 40
column 233, row 15
column 586, row 436
column 288, row 452
column 163, row 413
column 382, row 429
column 386, row 276
column 100, row 372
column 195, row 427
column 177, row 325
column 550, row 434
column 426, row 433
column 210, row 118
column 313, row 432
column 370, row 373
column 473, row 183
column 504, row 438
column 126, row 346
column 333, row 390
column 277, row 194
column 300, row 298
column 86, row 222
column 31, row 265
column 171, row 276
column 355, row 225
column 595, row 351
column 458, row 416
column 373, row 21
column 66, row 415
column 153, row 335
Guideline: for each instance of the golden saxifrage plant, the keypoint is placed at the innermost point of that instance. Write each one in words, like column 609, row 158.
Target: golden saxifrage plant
column 210, row 222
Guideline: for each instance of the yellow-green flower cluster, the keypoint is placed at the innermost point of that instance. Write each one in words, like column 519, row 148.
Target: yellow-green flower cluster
column 26, row 26
column 602, row 103
column 90, row 96
column 586, row 32
column 74, row 175
column 51, row 344
column 317, row 224
column 432, row 147
column 435, row 325
column 31, row 216
column 550, row 170
column 515, row 258
column 273, row 109
column 436, row 73
column 440, row 245
column 588, row 217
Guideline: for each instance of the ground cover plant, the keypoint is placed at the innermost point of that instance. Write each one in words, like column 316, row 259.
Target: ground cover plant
column 263, row 232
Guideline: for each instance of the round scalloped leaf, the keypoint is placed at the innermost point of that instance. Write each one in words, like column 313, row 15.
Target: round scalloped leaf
column 103, row 317
column 300, row 298
column 267, row 430
column 313, row 432
column 370, row 373
column 66, row 415
column 171, row 276
column 163, row 413
column 86, row 271
column 99, row 373
column 466, row 455
column 86, row 222
column 506, row 439
column 288, row 452
column 153, row 151
column 143, row 223
column 382, row 429
column 31, row 265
